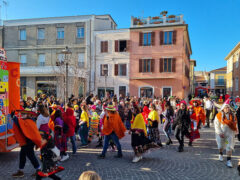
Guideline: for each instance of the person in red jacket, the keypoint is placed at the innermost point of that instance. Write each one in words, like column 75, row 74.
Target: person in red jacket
column 70, row 121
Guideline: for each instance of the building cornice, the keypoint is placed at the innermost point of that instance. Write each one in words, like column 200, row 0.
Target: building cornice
column 232, row 51
column 53, row 20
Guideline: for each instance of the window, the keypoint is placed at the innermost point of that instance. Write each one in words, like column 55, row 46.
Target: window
column 147, row 39
column 236, row 84
column 22, row 34
column 23, row 59
column 80, row 32
column 41, row 59
column 167, row 91
column 104, row 69
column 60, row 33
column 120, row 70
column 237, row 60
column 41, row 33
column 81, row 60
column 220, row 81
column 168, row 65
column 104, row 46
column 168, row 37
column 121, row 45
column 146, row 65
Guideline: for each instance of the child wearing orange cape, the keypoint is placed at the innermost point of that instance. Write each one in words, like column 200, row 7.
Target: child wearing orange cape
column 27, row 135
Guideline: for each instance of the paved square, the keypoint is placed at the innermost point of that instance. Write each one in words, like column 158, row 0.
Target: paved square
column 199, row 162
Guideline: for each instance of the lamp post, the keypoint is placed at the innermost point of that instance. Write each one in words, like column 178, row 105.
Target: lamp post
column 66, row 52
column 105, row 70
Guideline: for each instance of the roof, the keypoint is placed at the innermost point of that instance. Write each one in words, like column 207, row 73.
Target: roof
column 220, row 69
column 52, row 20
column 232, row 51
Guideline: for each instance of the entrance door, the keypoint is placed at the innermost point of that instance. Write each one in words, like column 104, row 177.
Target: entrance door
column 101, row 92
column 167, row 91
column 146, row 92
column 122, row 91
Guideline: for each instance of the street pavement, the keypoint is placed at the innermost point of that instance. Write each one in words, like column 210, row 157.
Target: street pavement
column 199, row 162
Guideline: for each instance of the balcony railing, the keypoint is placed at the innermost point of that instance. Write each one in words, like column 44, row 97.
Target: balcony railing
column 157, row 21
column 220, row 83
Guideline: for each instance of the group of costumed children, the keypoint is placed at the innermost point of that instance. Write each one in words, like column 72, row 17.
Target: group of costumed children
column 144, row 132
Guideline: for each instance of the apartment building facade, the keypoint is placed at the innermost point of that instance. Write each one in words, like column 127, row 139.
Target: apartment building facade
column 112, row 62
column 217, row 80
column 159, row 57
column 38, row 43
column 233, row 71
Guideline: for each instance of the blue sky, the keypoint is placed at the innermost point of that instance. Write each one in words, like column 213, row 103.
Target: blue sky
column 213, row 24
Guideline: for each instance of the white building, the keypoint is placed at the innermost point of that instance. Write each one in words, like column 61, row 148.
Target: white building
column 112, row 62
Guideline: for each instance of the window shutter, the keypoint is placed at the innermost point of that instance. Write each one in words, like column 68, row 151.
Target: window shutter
column 140, row 39
column 173, row 64
column 174, row 37
column 116, row 70
column 140, row 65
column 128, row 45
column 124, row 71
column 153, row 38
column 106, row 46
column 101, row 70
column 161, row 37
column 161, row 65
column 116, row 46
column 152, row 65
column 102, row 44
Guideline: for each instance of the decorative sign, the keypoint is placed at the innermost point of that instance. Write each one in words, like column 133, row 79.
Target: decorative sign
column 3, row 56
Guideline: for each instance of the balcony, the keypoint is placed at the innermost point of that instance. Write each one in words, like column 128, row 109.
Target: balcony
column 220, row 83
column 157, row 21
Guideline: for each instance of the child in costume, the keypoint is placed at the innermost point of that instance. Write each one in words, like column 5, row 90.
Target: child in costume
column 27, row 135
column 94, row 123
column 50, row 155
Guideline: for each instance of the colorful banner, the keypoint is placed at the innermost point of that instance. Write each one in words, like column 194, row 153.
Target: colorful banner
column 14, row 86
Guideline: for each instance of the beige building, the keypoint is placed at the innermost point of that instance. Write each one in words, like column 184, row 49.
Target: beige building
column 38, row 43
column 233, row 71
column 112, row 62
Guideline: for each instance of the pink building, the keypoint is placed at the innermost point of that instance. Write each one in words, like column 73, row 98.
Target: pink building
column 159, row 57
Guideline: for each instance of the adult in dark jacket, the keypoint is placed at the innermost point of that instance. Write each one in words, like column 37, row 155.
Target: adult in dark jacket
column 238, row 120
column 181, row 125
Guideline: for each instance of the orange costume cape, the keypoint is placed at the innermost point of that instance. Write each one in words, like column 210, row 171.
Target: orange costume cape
column 28, row 129
column 232, row 122
column 200, row 114
column 114, row 124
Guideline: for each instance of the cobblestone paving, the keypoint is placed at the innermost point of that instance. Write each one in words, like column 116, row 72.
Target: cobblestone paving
column 199, row 162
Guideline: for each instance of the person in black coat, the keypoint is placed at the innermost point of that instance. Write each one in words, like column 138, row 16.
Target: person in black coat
column 238, row 120
column 181, row 125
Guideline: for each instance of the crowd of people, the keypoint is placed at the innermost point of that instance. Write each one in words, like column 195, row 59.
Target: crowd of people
column 110, row 119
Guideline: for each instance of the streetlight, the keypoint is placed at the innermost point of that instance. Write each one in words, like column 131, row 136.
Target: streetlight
column 105, row 70
column 66, row 51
